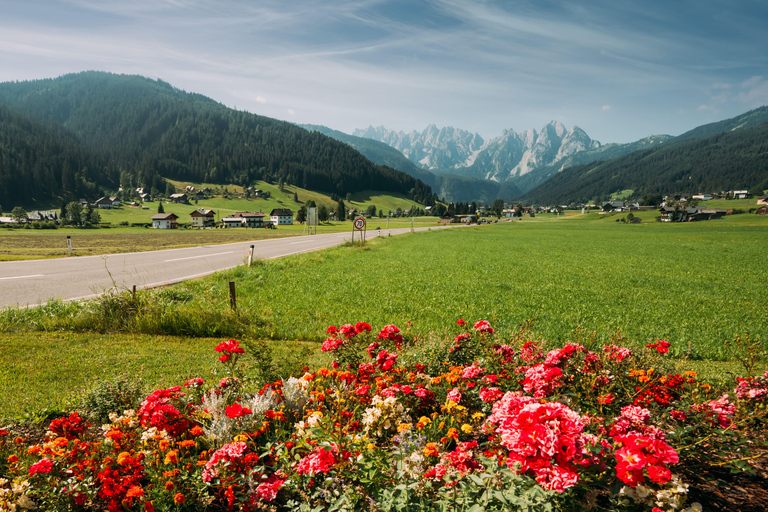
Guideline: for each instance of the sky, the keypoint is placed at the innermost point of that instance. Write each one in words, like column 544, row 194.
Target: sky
column 620, row 69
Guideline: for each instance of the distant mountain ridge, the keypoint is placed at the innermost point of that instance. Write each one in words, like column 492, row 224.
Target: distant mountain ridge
column 504, row 158
column 451, row 187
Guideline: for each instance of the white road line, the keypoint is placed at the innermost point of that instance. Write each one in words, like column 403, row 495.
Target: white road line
column 203, row 256
column 21, row 277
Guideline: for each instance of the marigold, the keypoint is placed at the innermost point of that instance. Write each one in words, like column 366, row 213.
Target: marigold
column 430, row 450
column 466, row 428
column 179, row 498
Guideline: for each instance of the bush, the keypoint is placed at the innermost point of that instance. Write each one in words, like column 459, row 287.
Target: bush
column 117, row 395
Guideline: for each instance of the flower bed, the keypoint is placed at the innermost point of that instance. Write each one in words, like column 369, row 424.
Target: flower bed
column 399, row 423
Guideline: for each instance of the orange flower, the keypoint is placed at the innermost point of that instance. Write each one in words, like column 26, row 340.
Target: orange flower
column 149, row 507
column 18, row 440
column 172, row 457
column 164, row 444
column 134, row 492
column 186, row 444
column 169, row 486
column 453, row 433
column 197, row 430
column 179, row 498
column 430, row 450
column 12, row 459
column 123, row 458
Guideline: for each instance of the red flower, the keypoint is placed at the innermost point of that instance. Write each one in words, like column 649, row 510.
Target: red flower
column 362, row 326
column 236, row 411
column 460, row 321
column 44, row 466
column 483, row 326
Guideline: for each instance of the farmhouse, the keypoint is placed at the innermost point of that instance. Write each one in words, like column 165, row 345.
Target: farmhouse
column 448, row 218
column 41, row 215
column 762, row 199
column 179, row 198
column 202, row 218
column 115, row 201
column 104, row 203
column 740, row 194
column 244, row 220
column 281, row 216
column 763, row 210
column 613, row 206
column 164, row 221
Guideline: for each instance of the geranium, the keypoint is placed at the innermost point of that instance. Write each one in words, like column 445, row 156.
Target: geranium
column 317, row 461
column 44, row 466
column 661, row 346
column 348, row 330
column 157, row 410
column 70, row 426
column 490, row 395
column 636, row 454
column 362, row 326
column 268, row 490
column 472, row 372
column 385, row 360
column 391, row 333
column 454, row 395
column 332, row 344
column 483, row 326
column 227, row 453
column 228, row 349
column 545, row 439
column 236, row 411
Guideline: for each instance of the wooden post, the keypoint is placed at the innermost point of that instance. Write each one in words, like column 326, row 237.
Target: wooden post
column 69, row 245
column 134, row 292
column 232, row 297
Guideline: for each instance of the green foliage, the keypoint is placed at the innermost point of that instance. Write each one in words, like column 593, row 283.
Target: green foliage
column 113, row 396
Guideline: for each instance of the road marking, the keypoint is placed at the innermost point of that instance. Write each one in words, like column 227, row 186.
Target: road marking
column 301, row 242
column 21, row 277
column 203, row 256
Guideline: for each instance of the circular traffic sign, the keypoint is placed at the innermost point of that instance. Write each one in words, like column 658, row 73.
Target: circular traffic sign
column 359, row 223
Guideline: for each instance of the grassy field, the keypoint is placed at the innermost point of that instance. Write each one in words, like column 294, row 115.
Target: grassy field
column 697, row 285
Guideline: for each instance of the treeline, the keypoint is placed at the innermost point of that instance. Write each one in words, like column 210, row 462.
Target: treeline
column 148, row 128
column 726, row 161
column 42, row 161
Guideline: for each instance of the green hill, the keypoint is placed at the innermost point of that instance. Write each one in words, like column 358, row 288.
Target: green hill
column 746, row 120
column 731, row 160
column 151, row 130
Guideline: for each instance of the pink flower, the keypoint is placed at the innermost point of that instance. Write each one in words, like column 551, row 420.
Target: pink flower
column 362, row 390
column 348, row 330
column 267, row 491
column 44, row 466
column 490, row 395
column 228, row 453
column 318, row 461
column 391, row 333
column 483, row 326
column 454, row 395
column 422, row 393
column 406, row 389
column 472, row 372
column 331, row 344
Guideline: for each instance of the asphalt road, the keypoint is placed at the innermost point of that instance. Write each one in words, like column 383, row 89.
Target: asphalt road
column 35, row 282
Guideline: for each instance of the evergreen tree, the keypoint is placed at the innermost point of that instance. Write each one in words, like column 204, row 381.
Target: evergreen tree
column 341, row 211
column 160, row 208
column 322, row 213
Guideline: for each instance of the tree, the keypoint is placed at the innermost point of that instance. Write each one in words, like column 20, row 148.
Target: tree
column 370, row 211
column 498, row 207
column 160, row 208
column 94, row 217
column 341, row 210
column 296, row 197
column 74, row 213
column 169, row 189
column 301, row 215
column 322, row 213
column 19, row 214
column 349, row 196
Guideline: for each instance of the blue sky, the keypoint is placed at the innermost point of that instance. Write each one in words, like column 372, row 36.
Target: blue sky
column 620, row 69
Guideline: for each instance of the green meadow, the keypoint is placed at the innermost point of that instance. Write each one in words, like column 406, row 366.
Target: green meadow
column 697, row 285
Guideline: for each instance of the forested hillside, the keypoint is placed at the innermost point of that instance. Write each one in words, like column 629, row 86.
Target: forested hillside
column 39, row 161
column 148, row 128
column 726, row 161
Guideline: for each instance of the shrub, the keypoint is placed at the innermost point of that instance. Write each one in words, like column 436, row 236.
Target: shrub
column 113, row 396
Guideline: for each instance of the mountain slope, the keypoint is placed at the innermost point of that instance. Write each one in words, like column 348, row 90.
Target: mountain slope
column 40, row 162
column 751, row 118
column 148, row 128
column 732, row 160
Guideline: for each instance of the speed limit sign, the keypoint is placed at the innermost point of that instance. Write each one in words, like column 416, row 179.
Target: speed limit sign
column 359, row 223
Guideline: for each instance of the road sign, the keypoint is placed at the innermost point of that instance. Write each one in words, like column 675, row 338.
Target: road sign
column 359, row 223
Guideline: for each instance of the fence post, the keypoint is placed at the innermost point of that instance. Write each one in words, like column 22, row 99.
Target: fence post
column 69, row 245
column 232, row 297
column 250, row 256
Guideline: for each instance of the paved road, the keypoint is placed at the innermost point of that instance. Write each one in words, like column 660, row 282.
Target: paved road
column 34, row 282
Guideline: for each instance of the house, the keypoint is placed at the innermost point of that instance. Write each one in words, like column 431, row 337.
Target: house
column 164, row 221
column 612, row 206
column 762, row 199
column 199, row 195
column 447, row 218
column 257, row 193
column 146, row 198
column 703, row 197
column 115, row 202
column 740, row 194
column 43, row 216
column 202, row 218
column 245, row 220
column 179, row 198
column 468, row 219
column 281, row 216
column 104, row 203
column 763, row 210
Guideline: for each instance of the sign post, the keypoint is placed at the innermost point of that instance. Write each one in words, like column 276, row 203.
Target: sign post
column 359, row 225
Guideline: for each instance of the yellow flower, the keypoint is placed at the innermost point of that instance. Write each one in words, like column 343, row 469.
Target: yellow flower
column 403, row 427
column 241, row 438
column 441, row 426
column 371, row 446
column 466, row 428
column 478, row 416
